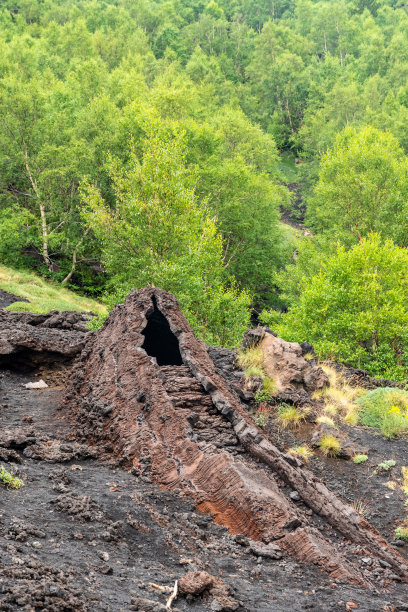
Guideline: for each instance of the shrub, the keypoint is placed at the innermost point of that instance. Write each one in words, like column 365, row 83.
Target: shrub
column 386, row 408
column 355, row 310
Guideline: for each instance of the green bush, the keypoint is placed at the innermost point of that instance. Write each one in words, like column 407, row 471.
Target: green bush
column 386, row 408
column 355, row 310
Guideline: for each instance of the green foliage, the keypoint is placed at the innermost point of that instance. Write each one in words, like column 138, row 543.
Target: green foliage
column 355, row 309
column 360, row 458
column 157, row 234
column 387, row 465
column 8, row 479
column 261, row 418
column 386, row 408
column 252, row 85
column 362, row 188
column 401, row 533
column 268, row 390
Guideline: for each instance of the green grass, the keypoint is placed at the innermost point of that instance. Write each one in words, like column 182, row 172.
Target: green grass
column 43, row 295
column 386, row 408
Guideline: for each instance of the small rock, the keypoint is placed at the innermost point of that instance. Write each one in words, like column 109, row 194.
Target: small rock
column 268, row 551
column 36, row 544
column 241, row 539
column 103, row 555
column 294, row 496
column 384, row 564
column 36, row 385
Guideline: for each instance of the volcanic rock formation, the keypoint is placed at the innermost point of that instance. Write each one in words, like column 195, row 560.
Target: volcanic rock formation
column 28, row 339
column 146, row 391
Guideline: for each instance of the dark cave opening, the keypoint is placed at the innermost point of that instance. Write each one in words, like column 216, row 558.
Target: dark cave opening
column 160, row 342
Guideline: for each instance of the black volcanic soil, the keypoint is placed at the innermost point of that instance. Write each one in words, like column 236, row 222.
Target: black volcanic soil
column 84, row 535
column 363, row 485
column 8, row 298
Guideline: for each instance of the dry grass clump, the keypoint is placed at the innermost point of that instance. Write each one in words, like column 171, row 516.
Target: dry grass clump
column 325, row 420
column 303, row 451
column 330, row 446
column 251, row 358
column 289, row 416
column 340, row 397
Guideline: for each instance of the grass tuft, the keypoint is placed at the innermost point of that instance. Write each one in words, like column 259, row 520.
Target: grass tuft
column 303, row 451
column 251, row 357
column 340, row 397
column 330, row 446
column 326, row 420
column 289, row 416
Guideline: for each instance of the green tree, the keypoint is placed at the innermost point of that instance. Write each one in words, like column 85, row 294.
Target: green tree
column 355, row 310
column 362, row 188
column 157, row 234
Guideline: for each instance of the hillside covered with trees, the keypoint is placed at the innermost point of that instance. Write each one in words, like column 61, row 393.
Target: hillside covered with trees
column 153, row 143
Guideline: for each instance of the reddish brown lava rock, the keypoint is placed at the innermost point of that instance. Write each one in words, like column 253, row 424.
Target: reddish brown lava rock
column 146, row 391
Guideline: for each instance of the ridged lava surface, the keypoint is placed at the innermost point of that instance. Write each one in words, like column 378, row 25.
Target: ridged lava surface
column 184, row 428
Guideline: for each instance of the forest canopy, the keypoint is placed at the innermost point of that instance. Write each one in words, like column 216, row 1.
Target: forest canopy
column 154, row 142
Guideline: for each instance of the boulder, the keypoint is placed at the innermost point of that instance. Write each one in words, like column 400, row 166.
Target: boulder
column 284, row 362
